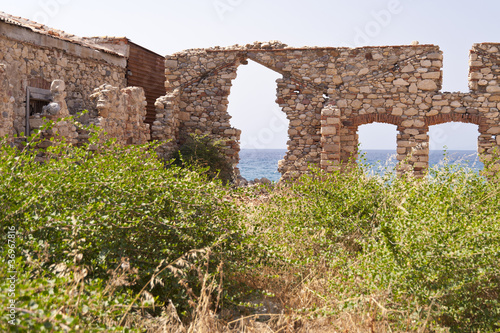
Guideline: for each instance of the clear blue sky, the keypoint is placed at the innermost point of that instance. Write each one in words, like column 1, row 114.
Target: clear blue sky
column 170, row 26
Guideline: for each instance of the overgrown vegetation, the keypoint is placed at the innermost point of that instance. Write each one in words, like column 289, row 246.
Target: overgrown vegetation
column 102, row 228
column 112, row 240
column 200, row 153
column 397, row 253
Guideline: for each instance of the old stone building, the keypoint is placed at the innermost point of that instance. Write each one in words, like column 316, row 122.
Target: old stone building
column 32, row 56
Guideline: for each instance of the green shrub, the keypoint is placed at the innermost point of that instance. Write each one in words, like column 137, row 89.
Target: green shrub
column 101, row 210
column 66, row 301
column 439, row 245
column 203, row 153
column 325, row 214
column 106, row 237
column 426, row 251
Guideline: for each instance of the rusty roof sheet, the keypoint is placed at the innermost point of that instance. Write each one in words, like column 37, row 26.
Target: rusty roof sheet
column 59, row 34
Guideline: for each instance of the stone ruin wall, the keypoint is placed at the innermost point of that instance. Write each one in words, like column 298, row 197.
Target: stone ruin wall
column 202, row 79
column 167, row 124
column 198, row 86
column 27, row 62
column 121, row 114
column 326, row 93
column 408, row 96
column 81, row 77
column 6, row 104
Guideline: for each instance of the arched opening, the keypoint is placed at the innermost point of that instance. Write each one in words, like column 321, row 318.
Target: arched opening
column 264, row 127
column 377, row 146
column 458, row 140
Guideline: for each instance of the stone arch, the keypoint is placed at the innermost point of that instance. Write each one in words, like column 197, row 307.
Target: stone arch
column 455, row 117
column 204, row 79
column 260, row 58
column 302, row 100
column 252, row 106
column 383, row 118
column 397, row 85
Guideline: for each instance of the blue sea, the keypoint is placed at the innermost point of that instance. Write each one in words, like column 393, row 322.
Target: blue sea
column 258, row 163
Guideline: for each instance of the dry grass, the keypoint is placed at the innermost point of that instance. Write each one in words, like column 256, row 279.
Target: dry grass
column 302, row 301
column 284, row 314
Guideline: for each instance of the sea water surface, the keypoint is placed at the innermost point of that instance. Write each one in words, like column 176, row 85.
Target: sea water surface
column 258, row 163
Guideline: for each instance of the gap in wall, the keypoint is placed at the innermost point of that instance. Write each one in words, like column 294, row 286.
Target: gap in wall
column 264, row 127
column 459, row 140
column 377, row 146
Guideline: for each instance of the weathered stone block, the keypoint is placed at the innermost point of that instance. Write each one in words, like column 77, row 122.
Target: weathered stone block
column 494, row 130
column 418, row 123
column 328, row 130
column 432, row 112
column 333, row 121
column 400, row 82
column 411, row 112
column 407, row 123
column 330, row 147
column 411, row 131
column 36, row 122
column 427, row 85
column 493, row 89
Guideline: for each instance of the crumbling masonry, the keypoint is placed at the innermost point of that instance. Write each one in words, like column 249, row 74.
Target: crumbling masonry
column 6, row 105
column 49, row 74
column 326, row 93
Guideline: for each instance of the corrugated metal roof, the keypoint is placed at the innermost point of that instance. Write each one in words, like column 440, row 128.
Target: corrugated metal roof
column 147, row 70
column 58, row 34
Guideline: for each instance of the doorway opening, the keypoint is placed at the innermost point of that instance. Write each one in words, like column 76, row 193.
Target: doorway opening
column 264, row 127
column 36, row 100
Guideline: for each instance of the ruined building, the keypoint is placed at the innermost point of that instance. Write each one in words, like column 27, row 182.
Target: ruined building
column 326, row 93
column 33, row 55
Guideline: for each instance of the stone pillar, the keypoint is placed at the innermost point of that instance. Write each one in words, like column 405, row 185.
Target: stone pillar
column 330, row 138
column 122, row 113
column 413, row 150
column 489, row 147
column 348, row 143
column 484, row 77
column 166, row 126
column 302, row 107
